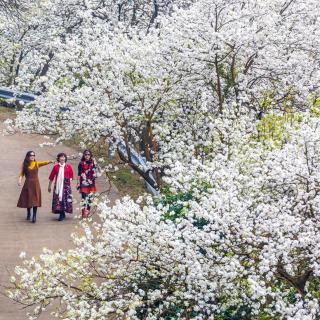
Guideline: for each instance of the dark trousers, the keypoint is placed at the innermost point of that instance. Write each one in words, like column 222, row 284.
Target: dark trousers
column 86, row 200
column 34, row 210
column 34, row 215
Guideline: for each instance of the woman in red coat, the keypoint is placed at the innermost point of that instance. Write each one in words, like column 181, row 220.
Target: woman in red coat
column 62, row 173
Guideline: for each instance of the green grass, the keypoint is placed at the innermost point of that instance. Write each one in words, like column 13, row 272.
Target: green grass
column 127, row 182
column 7, row 110
column 6, row 113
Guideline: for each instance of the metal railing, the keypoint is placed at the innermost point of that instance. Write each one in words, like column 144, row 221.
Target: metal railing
column 19, row 97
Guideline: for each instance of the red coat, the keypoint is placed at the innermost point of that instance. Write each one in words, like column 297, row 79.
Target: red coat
column 68, row 172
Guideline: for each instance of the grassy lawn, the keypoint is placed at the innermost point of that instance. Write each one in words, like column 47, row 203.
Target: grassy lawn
column 127, row 182
column 6, row 113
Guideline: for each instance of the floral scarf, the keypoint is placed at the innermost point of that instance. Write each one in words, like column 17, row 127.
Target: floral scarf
column 87, row 174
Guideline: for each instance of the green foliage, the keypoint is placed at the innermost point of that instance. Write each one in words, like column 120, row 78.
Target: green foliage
column 135, row 78
column 266, row 102
column 172, row 312
column 272, row 128
column 60, row 83
column 81, row 77
column 315, row 107
column 228, row 75
column 313, row 286
column 235, row 313
column 176, row 205
column 30, row 106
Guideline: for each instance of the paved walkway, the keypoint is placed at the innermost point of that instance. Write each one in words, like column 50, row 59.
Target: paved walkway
column 17, row 234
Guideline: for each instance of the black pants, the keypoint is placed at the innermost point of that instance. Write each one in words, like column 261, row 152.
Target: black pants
column 34, row 215
column 86, row 200
column 34, row 210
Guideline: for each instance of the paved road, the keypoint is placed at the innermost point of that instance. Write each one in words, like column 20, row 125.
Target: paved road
column 17, row 234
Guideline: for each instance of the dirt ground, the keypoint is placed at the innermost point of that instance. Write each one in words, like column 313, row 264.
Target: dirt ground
column 16, row 233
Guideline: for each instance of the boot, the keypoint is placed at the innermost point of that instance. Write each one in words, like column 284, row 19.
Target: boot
column 34, row 214
column 28, row 215
column 84, row 213
column 62, row 216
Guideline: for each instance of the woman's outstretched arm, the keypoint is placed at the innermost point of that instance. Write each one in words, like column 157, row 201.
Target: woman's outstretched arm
column 43, row 163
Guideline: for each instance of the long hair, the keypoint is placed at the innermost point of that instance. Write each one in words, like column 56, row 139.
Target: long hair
column 83, row 157
column 26, row 163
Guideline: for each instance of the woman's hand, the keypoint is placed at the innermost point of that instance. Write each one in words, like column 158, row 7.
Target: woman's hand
column 51, row 161
column 20, row 182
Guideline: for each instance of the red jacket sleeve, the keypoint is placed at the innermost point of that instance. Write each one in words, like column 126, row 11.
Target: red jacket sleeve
column 53, row 173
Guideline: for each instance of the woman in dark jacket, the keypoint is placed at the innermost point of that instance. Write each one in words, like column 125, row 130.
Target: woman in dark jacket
column 86, row 182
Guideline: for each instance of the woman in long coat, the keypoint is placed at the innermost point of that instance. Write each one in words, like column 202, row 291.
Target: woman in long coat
column 30, row 196
column 86, row 183
column 62, row 174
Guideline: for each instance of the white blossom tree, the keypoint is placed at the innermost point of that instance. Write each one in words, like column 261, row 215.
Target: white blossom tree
column 35, row 31
column 238, row 234
column 244, row 243
column 172, row 84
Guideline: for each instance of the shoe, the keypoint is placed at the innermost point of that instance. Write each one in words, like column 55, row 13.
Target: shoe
column 34, row 218
column 62, row 216
column 85, row 213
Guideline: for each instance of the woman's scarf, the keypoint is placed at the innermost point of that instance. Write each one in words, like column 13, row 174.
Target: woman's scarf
column 60, row 181
column 87, row 174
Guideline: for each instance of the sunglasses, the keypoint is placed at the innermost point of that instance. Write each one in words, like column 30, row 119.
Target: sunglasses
column 32, row 155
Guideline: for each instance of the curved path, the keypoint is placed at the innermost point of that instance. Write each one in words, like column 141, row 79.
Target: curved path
column 17, row 234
